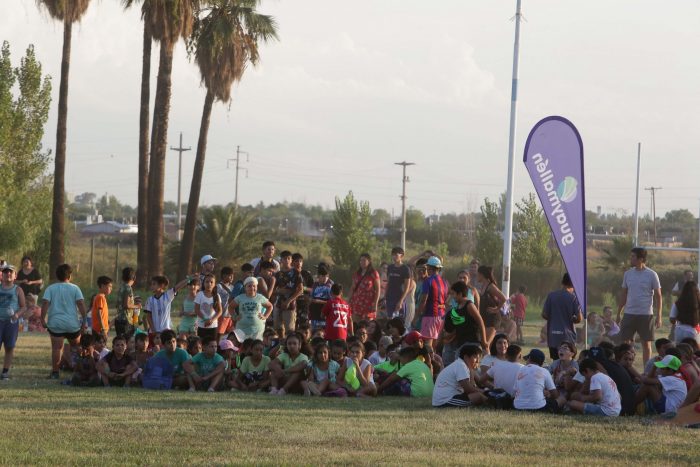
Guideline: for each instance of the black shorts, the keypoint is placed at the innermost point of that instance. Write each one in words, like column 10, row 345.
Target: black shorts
column 637, row 324
column 66, row 335
column 491, row 320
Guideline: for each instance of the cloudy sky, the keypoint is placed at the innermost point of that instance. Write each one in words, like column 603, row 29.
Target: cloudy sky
column 353, row 87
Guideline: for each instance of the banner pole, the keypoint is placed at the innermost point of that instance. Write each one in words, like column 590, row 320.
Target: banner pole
column 508, row 228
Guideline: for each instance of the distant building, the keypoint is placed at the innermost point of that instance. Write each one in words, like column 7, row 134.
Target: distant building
column 109, row 228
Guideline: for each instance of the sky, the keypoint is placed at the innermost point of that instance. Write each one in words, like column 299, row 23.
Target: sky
column 351, row 88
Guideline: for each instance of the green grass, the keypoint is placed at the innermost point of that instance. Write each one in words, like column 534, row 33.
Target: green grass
column 46, row 423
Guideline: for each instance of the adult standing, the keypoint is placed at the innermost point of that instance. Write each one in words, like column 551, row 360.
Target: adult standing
column 59, row 314
column 28, row 278
column 561, row 310
column 366, row 285
column 207, row 264
column 473, row 278
column 398, row 284
column 685, row 313
column 12, row 307
column 490, row 302
column 641, row 290
column 431, row 307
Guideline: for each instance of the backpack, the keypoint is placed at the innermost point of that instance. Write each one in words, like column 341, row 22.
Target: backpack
column 157, row 374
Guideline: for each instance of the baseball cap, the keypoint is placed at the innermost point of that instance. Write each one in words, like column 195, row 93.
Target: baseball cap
column 435, row 262
column 250, row 280
column 206, row 258
column 412, row 337
column 226, row 344
column 8, row 267
column 669, row 361
column 535, row 356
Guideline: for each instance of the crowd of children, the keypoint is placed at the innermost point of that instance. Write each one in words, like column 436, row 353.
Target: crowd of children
column 280, row 330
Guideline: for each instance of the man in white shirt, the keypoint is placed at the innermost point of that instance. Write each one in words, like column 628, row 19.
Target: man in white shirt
column 534, row 387
column 603, row 397
column 642, row 291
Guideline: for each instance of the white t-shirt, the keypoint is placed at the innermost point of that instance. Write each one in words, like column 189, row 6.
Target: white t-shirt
column 159, row 308
column 675, row 391
column 375, row 359
column 610, row 401
column 640, row 285
column 206, row 308
column 447, row 384
column 504, row 374
column 530, row 384
column 681, row 326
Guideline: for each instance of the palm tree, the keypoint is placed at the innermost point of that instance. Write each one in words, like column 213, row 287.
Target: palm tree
column 229, row 231
column 144, row 123
column 68, row 11
column 224, row 40
column 167, row 21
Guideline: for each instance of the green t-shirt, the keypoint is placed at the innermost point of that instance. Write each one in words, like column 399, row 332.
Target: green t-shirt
column 287, row 361
column 63, row 311
column 420, row 377
column 248, row 367
column 387, row 366
column 206, row 365
column 248, row 315
column 176, row 359
column 125, row 293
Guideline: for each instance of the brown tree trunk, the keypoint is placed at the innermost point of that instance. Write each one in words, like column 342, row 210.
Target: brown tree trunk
column 187, row 245
column 57, row 254
column 142, row 273
column 156, row 182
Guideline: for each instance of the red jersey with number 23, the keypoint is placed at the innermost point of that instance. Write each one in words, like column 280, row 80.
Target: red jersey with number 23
column 337, row 313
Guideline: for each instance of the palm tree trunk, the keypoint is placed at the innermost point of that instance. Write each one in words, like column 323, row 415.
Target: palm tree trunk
column 57, row 255
column 187, row 245
column 142, row 273
column 156, row 182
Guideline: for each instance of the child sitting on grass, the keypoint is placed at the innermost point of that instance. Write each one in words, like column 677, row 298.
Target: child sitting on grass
column 502, row 375
column 321, row 371
column 254, row 372
column 625, row 355
column 454, row 386
column 86, row 366
column 666, row 392
column 177, row 356
column 388, row 366
column 287, row 370
column 206, row 369
column 140, row 356
column 34, row 314
column 231, row 356
column 380, row 355
column 412, row 379
column 603, row 397
column 117, row 367
column 355, row 374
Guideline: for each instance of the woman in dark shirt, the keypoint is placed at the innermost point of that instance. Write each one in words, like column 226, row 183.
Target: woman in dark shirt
column 28, row 278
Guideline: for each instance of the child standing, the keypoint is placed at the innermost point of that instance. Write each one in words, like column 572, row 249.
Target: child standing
column 519, row 303
column 126, row 306
column 225, row 289
column 207, row 307
column 337, row 314
column 187, row 322
column 250, row 310
column 100, row 310
column 321, row 372
column 158, row 305
column 12, row 308
column 320, row 294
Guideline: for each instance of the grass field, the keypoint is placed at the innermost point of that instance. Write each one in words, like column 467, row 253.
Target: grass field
column 46, row 423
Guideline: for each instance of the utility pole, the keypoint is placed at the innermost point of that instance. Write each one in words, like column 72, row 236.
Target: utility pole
column 238, row 168
column 653, row 189
column 636, row 198
column 180, row 150
column 403, row 202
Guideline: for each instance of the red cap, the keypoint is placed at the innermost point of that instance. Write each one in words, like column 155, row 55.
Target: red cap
column 412, row 337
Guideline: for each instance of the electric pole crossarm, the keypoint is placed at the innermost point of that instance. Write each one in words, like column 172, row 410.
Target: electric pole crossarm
column 403, row 202
column 180, row 150
column 237, row 160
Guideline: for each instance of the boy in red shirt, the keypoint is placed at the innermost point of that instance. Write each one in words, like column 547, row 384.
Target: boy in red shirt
column 337, row 313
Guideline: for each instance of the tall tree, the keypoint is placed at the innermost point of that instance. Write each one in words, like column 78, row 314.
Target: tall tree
column 167, row 21
column 68, row 11
column 352, row 230
column 225, row 40
column 144, row 124
column 532, row 235
column 488, row 235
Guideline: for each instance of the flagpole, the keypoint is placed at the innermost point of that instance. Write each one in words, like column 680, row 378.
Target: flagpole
column 508, row 230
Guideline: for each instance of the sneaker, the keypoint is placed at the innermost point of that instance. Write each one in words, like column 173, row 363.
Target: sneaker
column 281, row 392
column 273, row 391
column 5, row 376
column 211, row 390
column 54, row 375
column 191, row 390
